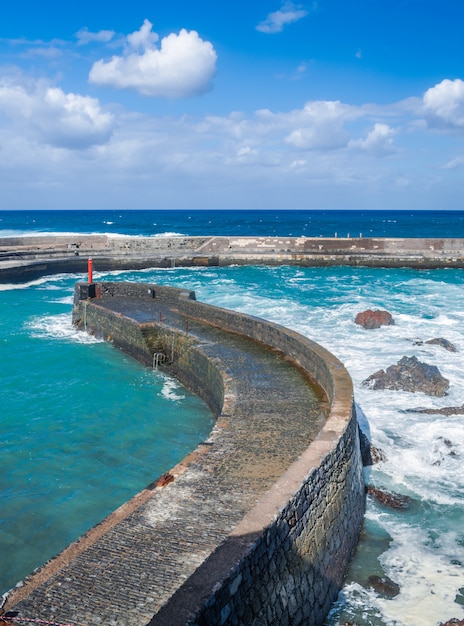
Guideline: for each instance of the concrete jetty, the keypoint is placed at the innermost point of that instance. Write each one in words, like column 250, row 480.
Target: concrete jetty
column 258, row 524
column 26, row 258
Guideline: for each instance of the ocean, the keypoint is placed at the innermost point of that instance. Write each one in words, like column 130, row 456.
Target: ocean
column 83, row 427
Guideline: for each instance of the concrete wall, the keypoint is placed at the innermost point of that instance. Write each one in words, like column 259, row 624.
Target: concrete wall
column 285, row 561
column 26, row 258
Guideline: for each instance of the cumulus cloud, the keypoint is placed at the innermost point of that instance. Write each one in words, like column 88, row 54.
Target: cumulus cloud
column 144, row 38
column 56, row 118
column 379, row 141
column 181, row 66
column 320, row 126
column 443, row 105
column 316, row 154
column 84, row 36
column 277, row 20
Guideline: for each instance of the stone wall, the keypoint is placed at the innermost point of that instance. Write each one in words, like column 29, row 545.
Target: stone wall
column 143, row 341
column 26, row 258
column 285, row 561
column 291, row 572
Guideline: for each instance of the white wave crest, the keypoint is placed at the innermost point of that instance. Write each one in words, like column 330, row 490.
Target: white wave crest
column 169, row 389
column 428, row 574
column 58, row 327
column 18, row 286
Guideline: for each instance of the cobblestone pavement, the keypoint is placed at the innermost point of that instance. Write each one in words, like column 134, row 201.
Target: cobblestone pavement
column 130, row 571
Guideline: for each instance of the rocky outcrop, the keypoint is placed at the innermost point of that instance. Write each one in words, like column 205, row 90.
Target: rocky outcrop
column 409, row 374
column 438, row 341
column 446, row 410
column 374, row 319
column 389, row 499
column 453, row 622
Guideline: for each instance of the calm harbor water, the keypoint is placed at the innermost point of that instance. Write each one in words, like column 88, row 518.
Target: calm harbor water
column 73, row 450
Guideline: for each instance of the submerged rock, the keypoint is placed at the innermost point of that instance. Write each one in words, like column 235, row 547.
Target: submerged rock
column 444, row 343
column 388, row 498
column 437, row 341
column 446, row 410
column 410, row 374
column 444, row 448
column 384, row 586
column 374, row 319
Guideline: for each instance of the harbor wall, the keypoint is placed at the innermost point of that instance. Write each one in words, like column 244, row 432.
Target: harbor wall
column 285, row 561
column 26, row 258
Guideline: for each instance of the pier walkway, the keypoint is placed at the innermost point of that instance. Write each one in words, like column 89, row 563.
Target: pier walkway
column 123, row 571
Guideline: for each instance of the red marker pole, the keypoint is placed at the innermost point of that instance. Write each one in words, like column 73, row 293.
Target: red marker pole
column 90, row 268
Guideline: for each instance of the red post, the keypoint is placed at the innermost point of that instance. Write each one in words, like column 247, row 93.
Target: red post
column 90, row 268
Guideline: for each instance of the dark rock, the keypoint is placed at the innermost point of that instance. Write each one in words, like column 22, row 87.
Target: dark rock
column 370, row 454
column 443, row 450
column 377, row 455
column 374, row 319
column 444, row 343
column 409, row 374
column 384, row 586
column 446, row 410
column 453, row 622
column 388, row 498
column 446, row 448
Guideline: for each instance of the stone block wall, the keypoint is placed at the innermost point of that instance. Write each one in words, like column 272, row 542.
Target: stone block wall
column 292, row 572
column 285, row 561
column 184, row 359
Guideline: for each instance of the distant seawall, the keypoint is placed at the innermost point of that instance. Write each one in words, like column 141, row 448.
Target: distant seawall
column 26, row 258
column 282, row 551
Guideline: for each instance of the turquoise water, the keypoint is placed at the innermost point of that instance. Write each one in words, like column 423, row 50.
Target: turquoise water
column 72, row 458
column 83, row 427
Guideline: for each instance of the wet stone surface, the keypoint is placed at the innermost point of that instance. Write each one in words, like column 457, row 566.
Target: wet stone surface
column 126, row 575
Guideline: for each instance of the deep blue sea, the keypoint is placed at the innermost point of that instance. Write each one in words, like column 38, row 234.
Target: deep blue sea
column 240, row 222
column 83, row 427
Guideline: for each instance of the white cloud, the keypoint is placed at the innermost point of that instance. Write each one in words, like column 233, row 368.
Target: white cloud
column 276, row 21
column 64, row 120
column 182, row 66
column 379, row 141
column 144, row 38
column 443, row 105
column 315, row 156
column 320, row 126
column 84, row 36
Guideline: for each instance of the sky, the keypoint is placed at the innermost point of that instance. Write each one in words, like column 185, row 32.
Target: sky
column 323, row 104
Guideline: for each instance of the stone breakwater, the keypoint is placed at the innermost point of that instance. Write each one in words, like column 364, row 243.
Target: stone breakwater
column 259, row 523
column 25, row 258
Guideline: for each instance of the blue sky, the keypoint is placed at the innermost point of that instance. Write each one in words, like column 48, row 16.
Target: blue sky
column 318, row 104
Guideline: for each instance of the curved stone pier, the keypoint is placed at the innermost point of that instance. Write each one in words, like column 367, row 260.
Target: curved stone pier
column 259, row 523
